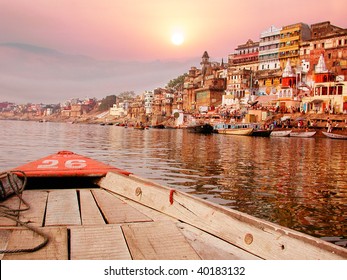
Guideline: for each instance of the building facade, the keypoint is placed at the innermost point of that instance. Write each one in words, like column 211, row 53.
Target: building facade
column 291, row 37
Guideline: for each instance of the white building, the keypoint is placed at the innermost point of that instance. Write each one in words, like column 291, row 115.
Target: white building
column 269, row 49
column 149, row 97
column 119, row 110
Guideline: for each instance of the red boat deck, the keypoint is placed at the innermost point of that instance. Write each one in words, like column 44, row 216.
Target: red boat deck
column 66, row 163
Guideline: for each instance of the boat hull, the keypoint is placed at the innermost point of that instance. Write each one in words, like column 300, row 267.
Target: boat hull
column 280, row 133
column 302, row 134
column 203, row 129
column 236, row 131
column 335, row 135
column 261, row 133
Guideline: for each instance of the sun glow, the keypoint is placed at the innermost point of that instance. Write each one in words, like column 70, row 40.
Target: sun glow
column 177, row 38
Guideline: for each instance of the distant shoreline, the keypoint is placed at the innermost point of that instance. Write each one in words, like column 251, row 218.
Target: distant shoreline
column 92, row 118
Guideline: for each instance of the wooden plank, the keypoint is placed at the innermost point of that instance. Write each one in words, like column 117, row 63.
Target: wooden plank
column 155, row 215
column 12, row 202
column 90, row 213
column 98, row 243
column 62, row 208
column 37, row 201
column 116, row 211
column 56, row 249
column 209, row 247
column 259, row 237
column 157, row 241
column 4, row 237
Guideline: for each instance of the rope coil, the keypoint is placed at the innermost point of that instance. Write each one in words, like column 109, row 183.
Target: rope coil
column 10, row 184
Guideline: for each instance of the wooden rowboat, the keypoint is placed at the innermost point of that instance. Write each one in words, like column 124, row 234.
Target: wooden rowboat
column 204, row 128
column 302, row 134
column 335, row 135
column 280, row 133
column 90, row 210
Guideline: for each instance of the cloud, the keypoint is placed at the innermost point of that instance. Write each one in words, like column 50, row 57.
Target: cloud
column 35, row 74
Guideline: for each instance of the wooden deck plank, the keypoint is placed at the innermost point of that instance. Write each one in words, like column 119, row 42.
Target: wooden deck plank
column 12, row 202
column 155, row 215
column 210, row 247
column 116, row 211
column 4, row 237
column 98, row 243
column 90, row 213
column 157, row 241
column 62, row 208
column 56, row 249
column 37, row 201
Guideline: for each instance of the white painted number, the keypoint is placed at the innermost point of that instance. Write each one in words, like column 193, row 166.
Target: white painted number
column 72, row 163
column 75, row 163
column 49, row 163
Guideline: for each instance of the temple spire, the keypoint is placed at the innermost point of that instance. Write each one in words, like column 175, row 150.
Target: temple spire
column 288, row 71
column 321, row 67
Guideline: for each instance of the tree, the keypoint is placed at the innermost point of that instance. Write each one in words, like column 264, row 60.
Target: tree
column 126, row 95
column 178, row 82
column 107, row 102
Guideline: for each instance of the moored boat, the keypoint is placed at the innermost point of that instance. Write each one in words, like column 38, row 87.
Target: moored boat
column 233, row 129
column 84, row 209
column 302, row 134
column 204, row 128
column 280, row 133
column 335, row 135
column 259, row 130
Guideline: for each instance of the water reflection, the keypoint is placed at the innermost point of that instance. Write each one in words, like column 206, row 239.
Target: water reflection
column 298, row 183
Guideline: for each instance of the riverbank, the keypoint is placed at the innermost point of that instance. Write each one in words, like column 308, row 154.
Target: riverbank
column 96, row 117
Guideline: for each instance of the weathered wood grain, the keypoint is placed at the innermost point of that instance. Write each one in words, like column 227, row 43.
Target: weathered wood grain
column 90, row 212
column 157, row 241
column 56, row 249
column 98, row 243
column 116, row 211
column 37, row 202
column 62, row 208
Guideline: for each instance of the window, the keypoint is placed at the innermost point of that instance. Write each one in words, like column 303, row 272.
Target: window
column 339, row 90
column 324, row 90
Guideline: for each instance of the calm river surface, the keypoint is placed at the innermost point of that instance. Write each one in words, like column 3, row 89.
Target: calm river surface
column 298, row 183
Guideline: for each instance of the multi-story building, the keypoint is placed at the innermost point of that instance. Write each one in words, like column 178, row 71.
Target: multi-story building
column 204, row 88
column 245, row 56
column 269, row 49
column 290, row 38
column 329, row 40
column 330, row 95
column 148, row 96
column 191, row 82
column 269, row 71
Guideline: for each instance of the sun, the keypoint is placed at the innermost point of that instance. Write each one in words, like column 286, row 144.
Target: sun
column 177, row 38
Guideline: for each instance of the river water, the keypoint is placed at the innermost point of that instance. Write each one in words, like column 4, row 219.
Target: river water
column 298, row 183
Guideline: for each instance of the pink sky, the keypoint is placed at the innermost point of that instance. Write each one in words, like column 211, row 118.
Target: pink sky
column 112, row 31
column 141, row 30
